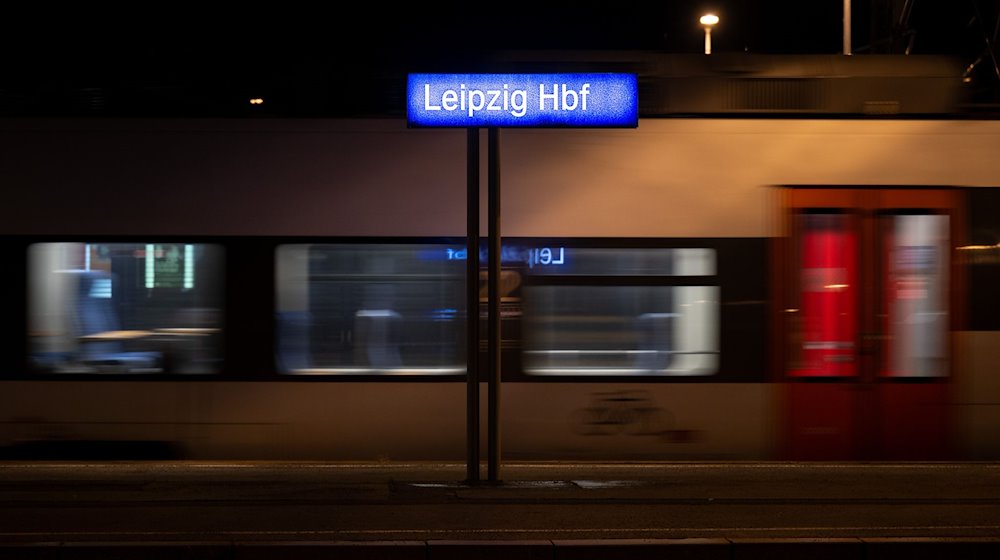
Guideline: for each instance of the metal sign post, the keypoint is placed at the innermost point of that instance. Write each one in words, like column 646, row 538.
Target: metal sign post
column 493, row 408
column 493, row 101
column 472, row 304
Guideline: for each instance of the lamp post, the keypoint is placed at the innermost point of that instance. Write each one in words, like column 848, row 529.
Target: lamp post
column 847, row 26
column 708, row 21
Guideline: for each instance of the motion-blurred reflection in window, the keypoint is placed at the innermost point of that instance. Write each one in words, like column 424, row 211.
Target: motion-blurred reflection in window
column 915, row 308
column 371, row 308
column 125, row 307
column 630, row 311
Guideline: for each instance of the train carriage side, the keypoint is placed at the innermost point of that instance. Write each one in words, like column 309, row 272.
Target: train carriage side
column 298, row 286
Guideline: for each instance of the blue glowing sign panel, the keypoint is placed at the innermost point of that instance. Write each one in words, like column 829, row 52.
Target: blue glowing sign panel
column 522, row 100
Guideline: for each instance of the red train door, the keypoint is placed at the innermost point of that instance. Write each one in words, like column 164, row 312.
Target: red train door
column 869, row 298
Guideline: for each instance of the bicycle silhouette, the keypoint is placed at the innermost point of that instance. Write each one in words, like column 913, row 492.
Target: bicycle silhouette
column 622, row 412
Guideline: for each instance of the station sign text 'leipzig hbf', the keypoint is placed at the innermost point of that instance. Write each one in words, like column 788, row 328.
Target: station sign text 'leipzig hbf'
column 522, row 100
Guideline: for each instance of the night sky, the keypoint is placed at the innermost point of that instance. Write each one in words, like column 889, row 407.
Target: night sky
column 181, row 59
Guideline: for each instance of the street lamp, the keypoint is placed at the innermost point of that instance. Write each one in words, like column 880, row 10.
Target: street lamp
column 708, row 21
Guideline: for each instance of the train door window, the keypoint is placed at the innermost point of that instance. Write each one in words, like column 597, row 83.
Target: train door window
column 125, row 307
column 371, row 308
column 622, row 311
column 915, row 253
column 823, row 308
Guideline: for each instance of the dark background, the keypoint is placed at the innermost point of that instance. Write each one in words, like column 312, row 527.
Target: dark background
column 333, row 59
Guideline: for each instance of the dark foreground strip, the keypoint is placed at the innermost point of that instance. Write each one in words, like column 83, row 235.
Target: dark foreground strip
column 605, row 549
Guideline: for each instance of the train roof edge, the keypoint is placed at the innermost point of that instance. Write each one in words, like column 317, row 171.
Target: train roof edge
column 743, row 84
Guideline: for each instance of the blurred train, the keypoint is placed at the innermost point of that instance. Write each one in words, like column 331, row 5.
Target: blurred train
column 775, row 264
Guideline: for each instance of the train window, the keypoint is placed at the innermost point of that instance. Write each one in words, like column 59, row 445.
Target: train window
column 823, row 310
column 370, row 308
column 619, row 312
column 915, row 299
column 125, row 307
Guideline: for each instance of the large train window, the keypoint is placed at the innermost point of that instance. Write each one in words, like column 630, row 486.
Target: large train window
column 371, row 308
column 125, row 307
column 622, row 311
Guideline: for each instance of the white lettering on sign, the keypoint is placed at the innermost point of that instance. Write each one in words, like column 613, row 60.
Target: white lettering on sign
column 471, row 101
column 568, row 101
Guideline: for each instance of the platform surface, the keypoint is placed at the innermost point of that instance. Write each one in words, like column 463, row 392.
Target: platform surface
column 117, row 509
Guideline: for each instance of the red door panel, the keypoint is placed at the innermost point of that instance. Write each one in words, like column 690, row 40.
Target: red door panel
column 828, row 298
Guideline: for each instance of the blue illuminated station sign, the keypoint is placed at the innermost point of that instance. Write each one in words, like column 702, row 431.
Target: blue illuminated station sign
column 523, row 100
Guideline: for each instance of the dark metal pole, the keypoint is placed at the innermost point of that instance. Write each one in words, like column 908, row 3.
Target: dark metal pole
column 493, row 170
column 472, row 304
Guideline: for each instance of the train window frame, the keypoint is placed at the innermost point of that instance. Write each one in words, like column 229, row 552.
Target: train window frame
column 742, row 278
column 449, row 249
column 659, row 287
column 176, row 340
column 249, row 347
column 742, row 309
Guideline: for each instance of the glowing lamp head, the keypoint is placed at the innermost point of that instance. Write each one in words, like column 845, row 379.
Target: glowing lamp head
column 708, row 20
